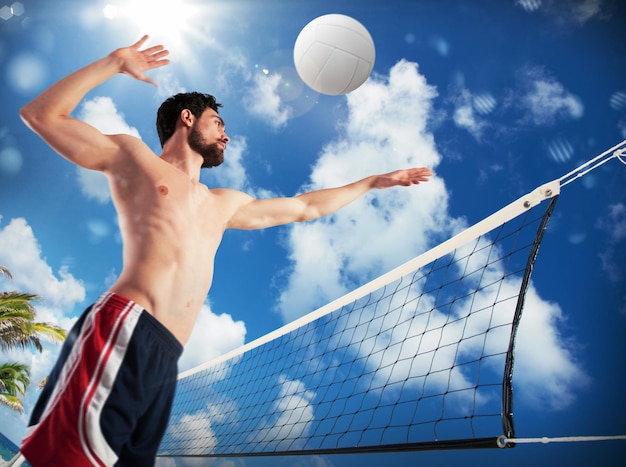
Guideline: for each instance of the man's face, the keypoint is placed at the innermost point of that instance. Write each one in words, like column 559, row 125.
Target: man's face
column 207, row 138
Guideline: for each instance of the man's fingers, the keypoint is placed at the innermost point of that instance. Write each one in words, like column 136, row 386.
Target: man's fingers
column 404, row 177
column 156, row 51
column 140, row 42
column 148, row 80
column 420, row 175
column 154, row 56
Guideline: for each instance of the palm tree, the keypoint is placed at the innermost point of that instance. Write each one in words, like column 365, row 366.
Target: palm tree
column 18, row 329
column 17, row 326
column 14, row 380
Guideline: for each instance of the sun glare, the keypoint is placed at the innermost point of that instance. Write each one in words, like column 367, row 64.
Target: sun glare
column 158, row 18
column 187, row 28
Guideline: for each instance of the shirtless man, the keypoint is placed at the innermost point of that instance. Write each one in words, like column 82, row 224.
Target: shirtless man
column 108, row 398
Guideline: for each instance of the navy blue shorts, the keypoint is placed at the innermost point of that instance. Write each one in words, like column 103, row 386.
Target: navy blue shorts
column 109, row 396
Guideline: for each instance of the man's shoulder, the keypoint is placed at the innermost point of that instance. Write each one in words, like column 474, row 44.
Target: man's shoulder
column 234, row 198
column 130, row 142
column 227, row 193
column 131, row 147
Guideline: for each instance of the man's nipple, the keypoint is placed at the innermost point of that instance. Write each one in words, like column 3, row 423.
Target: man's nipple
column 163, row 190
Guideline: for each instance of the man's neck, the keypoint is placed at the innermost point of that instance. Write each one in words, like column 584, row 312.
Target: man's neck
column 183, row 159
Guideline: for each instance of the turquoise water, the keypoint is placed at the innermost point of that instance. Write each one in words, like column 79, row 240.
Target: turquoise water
column 7, row 448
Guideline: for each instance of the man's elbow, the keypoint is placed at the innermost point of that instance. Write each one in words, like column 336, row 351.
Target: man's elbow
column 309, row 214
column 36, row 118
column 28, row 114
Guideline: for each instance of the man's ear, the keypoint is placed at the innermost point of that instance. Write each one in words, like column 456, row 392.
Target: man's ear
column 186, row 117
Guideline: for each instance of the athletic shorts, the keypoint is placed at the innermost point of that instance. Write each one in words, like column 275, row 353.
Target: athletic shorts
column 108, row 398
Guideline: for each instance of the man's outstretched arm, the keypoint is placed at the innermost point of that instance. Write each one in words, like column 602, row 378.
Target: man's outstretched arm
column 252, row 213
column 48, row 114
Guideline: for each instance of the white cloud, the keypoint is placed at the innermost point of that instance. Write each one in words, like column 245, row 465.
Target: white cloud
column 193, row 432
column 529, row 5
column 584, row 10
column 566, row 11
column 101, row 113
column 94, row 185
column 21, row 253
column 465, row 117
column 545, row 370
column 415, row 345
column 199, row 424
column 541, row 99
column 290, row 428
column 385, row 130
column 271, row 95
column 470, row 109
column 14, row 424
column 232, row 173
column 168, row 84
column 213, row 335
column 412, row 338
column 263, row 100
column 232, row 67
column 546, row 100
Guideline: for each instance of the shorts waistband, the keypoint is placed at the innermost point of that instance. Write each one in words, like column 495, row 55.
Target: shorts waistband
column 167, row 338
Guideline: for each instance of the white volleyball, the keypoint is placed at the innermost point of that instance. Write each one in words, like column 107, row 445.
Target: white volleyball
column 334, row 54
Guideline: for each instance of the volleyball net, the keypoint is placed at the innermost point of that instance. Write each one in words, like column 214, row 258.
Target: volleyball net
column 420, row 358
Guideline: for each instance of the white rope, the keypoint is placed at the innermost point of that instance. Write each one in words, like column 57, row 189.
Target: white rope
column 616, row 151
column 503, row 440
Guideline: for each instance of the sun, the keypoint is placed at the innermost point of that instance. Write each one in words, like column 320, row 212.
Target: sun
column 191, row 30
column 166, row 19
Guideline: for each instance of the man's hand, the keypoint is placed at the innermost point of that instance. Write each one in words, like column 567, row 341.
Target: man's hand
column 403, row 177
column 135, row 62
column 49, row 114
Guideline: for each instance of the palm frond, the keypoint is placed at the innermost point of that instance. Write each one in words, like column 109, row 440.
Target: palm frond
column 12, row 402
column 42, row 383
column 18, row 328
column 49, row 331
column 15, row 378
column 4, row 271
column 14, row 300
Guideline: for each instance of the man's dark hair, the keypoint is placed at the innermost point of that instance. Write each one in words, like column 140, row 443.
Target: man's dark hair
column 168, row 113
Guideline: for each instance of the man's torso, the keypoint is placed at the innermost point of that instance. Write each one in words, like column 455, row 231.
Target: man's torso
column 171, row 228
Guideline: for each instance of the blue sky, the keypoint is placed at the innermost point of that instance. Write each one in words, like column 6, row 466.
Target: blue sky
column 497, row 97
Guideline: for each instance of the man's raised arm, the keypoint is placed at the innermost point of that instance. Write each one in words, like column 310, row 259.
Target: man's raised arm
column 48, row 114
column 251, row 213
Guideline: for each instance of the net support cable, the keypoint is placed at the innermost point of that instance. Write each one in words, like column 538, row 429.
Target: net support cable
column 509, row 440
column 420, row 358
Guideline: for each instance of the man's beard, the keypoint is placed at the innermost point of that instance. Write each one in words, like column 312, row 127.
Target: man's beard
column 212, row 154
